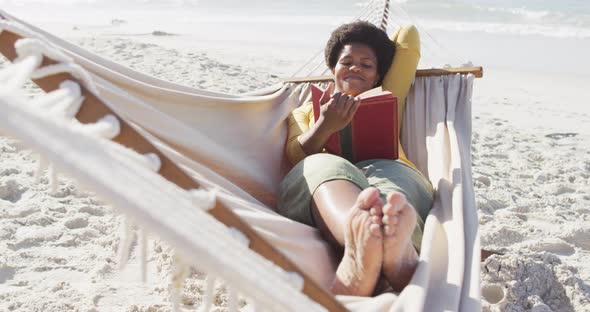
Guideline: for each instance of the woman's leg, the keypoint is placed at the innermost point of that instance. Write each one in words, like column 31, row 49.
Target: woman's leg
column 400, row 258
column 325, row 191
column 331, row 203
column 361, row 235
column 408, row 201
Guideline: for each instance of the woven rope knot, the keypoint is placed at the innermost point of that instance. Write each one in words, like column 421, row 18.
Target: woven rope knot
column 73, row 69
column 204, row 199
column 71, row 104
column 107, row 127
column 296, row 280
column 29, row 47
column 153, row 162
column 239, row 236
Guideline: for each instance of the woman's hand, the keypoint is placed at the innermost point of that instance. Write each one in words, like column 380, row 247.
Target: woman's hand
column 337, row 112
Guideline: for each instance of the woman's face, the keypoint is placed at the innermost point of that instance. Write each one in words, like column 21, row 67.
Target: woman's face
column 356, row 69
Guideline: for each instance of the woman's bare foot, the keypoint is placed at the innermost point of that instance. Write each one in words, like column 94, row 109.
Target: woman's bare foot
column 360, row 268
column 399, row 256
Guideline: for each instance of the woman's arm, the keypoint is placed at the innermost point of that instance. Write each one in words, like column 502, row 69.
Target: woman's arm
column 313, row 141
column 298, row 124
column 335, row 114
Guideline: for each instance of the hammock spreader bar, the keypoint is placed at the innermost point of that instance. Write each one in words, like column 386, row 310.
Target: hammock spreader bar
column 476, row 71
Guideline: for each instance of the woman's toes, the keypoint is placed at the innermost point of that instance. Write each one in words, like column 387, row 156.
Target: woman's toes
column 375, row 211
column 360, row 268
column 399, row 256
column 376, row 220
column 396, row 197
column 390, row 219
column 375, row 226
column 388, row 230
column 389, row 210
column 375, row 230
column 369, row 199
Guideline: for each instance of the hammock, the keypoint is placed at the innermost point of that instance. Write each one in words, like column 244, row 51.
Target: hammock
column 230, row 148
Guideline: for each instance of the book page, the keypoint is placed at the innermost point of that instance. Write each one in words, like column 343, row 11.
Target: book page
column 373, row 92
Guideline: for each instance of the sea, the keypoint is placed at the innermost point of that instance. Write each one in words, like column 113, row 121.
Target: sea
column 545, row 36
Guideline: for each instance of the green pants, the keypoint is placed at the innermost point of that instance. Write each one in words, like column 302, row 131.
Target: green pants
column 296, row 190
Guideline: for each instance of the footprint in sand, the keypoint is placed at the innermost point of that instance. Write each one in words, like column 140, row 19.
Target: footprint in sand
column 34, row 236
column 68, row 190
column 492, row 293
column 561, row 189
column 11, row 191
column 559, row 136
column 9, row 171
column 6, row 272
column 501, row 237
column 162, row 33
column 93, row 211
column 490, row 205
column 553, row 245
column 498, row 156
column 117, row 22
column 6, row 146
column 76, row 222
column 579, row 237
column 484, row 180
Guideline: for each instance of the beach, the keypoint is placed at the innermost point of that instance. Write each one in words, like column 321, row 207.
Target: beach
column 530, row 158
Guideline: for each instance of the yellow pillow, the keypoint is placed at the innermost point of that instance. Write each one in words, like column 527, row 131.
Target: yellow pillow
column 400, row 75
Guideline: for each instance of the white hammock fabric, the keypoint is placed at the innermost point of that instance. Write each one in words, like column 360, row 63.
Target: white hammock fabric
column 104, row 168
column 235, row 145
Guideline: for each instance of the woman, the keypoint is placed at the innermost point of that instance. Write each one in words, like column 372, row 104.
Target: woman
column 369, row 210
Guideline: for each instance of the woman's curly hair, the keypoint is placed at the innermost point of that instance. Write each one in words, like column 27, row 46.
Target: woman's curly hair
column 361, row 32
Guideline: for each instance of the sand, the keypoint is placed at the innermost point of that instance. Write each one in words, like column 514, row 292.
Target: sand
column 531, row 164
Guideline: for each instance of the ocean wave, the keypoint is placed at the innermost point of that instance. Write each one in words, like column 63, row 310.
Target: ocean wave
column 527, row 15
column 566, row 13
column 509, row 29
column 520, row 12
column 101, row 3
column 566, row 18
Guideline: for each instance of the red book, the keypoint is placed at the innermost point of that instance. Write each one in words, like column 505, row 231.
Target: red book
column 373, row 131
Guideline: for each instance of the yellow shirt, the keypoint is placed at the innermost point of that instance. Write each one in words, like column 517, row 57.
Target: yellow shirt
column 398, row 80
column 300, row 121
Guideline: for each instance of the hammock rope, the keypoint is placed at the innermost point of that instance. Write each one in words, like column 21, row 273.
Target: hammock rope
column 31, row 45
column 180, row 272
column 208, row 296
column 232, row 299
column 143, row 253
column 41, row 167
column 317, row 61
column 204, row 199
column 374, row 12
column 68, row 104
column 125, row 239
column 20, row 73
column 385, row 18
column 389, row 16
column 107, row 127
column 53, row 179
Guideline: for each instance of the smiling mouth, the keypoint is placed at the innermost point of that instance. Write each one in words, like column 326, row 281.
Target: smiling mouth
column 354, row 77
